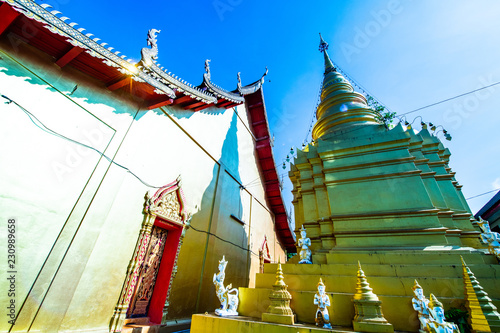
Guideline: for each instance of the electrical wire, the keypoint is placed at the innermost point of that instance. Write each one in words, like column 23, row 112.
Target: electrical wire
column 451, row 98
column 226, row 241
column 357, row 84
column 483, row 193
column 313, row 112
column 46, row 129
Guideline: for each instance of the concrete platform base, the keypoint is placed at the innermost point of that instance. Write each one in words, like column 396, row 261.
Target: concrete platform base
column 210, row 323
column 135, row 326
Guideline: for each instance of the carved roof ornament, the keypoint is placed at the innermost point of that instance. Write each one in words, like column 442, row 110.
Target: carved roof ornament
column 253, row 87
column 149, row 55
column 153, row 70
column 233, row 96
column 207, row 67
column 239, row 80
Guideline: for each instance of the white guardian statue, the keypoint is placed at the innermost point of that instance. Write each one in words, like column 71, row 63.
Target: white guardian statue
column 421, row 305
column 490, row 238
column 304, row 242
column 228, row 297
column 322, row 300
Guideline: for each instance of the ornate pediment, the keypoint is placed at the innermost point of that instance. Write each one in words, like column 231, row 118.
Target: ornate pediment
column 167, row 203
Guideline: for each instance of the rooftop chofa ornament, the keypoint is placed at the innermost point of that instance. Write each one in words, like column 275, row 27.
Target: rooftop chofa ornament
column 228, row 296
column 149, row 55
column 322, row 300
column 304, row 243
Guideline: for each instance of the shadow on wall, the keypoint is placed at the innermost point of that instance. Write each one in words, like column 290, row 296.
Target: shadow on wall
column 221, row 235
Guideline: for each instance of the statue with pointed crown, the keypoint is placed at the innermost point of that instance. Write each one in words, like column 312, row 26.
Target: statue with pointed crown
column 490, row 238
column 421, row 305
column 304, row 242
column 228, row 297
column 322, row 300
column 437, row 324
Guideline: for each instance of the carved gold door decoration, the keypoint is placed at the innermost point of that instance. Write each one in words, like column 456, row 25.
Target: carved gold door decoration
column 149, row 271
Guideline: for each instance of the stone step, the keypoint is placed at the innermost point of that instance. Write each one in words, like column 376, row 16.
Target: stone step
column 401, row 270
column 381, row 285
column 396, row 309
column 481, row 271
column 211, row 323
column 140, row 329
column 431, row 255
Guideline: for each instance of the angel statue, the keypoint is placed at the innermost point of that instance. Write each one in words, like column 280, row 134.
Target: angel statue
column 438, row 323
column 228, row 297
column 490, row 238
column 304, row 242
column 421, row 305
column 322, row 300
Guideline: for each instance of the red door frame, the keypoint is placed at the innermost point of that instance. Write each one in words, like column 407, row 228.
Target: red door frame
column 160, row 291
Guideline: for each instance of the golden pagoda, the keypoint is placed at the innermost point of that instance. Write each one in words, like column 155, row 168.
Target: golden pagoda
column 385, row 197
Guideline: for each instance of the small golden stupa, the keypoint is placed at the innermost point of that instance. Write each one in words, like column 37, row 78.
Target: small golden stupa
column 369, row 317
column 483, row 315
column 279, row 310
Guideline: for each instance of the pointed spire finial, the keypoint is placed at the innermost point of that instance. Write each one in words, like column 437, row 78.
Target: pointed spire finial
column 323, row 46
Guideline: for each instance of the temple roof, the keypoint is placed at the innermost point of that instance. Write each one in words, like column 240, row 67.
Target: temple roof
column 60, row 38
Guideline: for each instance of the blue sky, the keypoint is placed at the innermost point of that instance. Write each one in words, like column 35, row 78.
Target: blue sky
column 406, row 53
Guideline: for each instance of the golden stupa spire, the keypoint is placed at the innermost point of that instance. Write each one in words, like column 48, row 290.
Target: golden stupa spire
column 483, row 315
column 323, row 46
column 340, row 105
column 363, row 290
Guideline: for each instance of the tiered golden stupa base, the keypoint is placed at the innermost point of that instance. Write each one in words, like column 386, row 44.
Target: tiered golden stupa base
column 391, row 274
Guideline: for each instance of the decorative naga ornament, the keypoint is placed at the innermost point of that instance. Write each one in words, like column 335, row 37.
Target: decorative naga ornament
column 228, row 297
column 149, row 55
column 490, row 238
column 279, row 310
column 322, row 300
column 483, row 315
column 421, row 305
column 368, row 307
column 304, row 242
column 437, row 324
column 207, row 67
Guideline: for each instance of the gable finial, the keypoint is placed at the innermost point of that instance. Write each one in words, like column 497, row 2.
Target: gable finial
column 207, row 66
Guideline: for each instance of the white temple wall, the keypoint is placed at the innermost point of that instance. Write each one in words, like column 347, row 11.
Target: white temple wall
column 78, row 216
